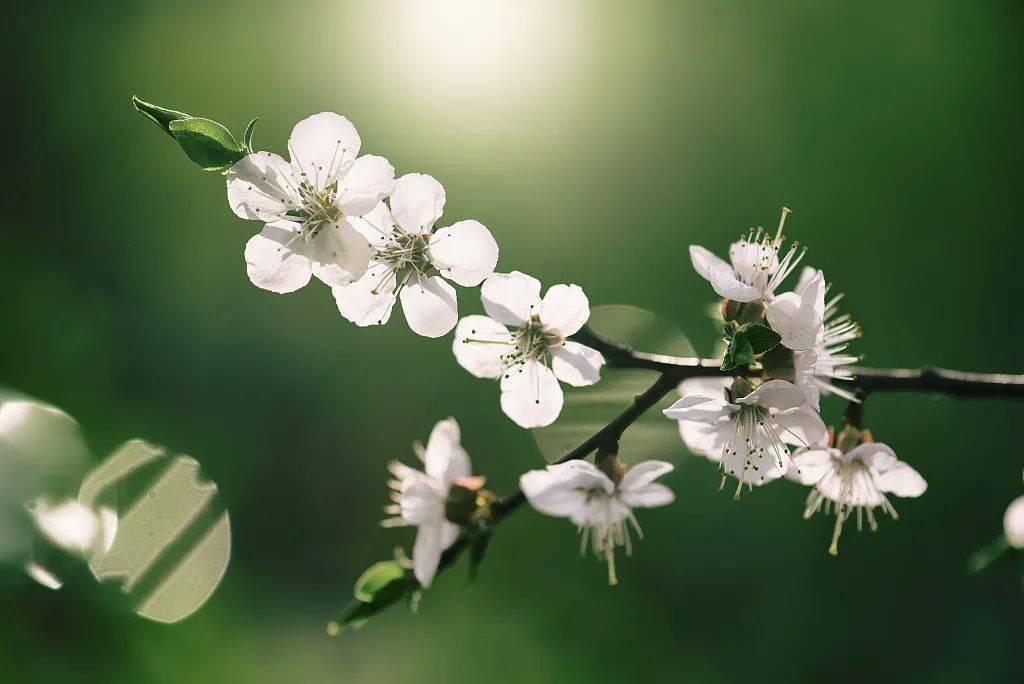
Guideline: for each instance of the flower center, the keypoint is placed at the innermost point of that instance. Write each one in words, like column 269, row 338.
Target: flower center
column 317, row 208
column 406, row 250
column 753, row 448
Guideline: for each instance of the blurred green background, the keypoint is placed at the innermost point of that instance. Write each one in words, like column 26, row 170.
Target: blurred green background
column 597, row 140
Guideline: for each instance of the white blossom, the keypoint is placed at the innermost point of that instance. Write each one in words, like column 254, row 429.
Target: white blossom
column 410, row 257
column 857, row 479
column 523, row 341
column 1013, row 523
column 754, row 270
column 748, row 435
column 827, row 360
column 598, row 506
column 307, row 205
column 419, row 497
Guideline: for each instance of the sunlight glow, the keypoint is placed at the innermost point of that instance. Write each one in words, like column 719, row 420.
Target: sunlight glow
column 466, row 50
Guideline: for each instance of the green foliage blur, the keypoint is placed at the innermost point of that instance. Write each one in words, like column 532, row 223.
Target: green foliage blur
column 597, row 144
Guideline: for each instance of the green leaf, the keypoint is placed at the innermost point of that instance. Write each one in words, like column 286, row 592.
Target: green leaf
column 207, row 143
column 247, row 136
column 762, row 338
column 739, row 353
column 380, row 586
column 377, row 578
column 749, row 340
column 587, row 409
column 161, row 116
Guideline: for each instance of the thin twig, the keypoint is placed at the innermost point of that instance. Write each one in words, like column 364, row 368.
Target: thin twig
column 866, row 380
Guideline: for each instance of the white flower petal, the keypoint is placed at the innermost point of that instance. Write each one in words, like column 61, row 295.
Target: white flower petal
column 892, row 475
column 275, row 259
column 339, row 254
column 705, row 261
column 260, row 186
column 651, row 496
column 809, row 466
column 1013, row 523
column 426, row 552
column 807, row 273
column 801, row 426
column 369, row 300
column 417, row 201
column 576, row 364
column 798, row 316
column 705, row 386
column 643, row 474
column 721, row 276
column 376, row 226
column 705, row 439
column 464, row 252
column 531, row 395
column 805, row 365
column 323, row 147
column 552, row 493
column 777, row 394
column 511, row 298
column 700, row 409
column 444, row 458
column 480, row 345
column 565, row 309
column 369, row 181
column 430, row 305
column 748, row 259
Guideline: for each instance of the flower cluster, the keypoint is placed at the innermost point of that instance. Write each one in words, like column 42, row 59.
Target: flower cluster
column 750, row 424
column 343, row 218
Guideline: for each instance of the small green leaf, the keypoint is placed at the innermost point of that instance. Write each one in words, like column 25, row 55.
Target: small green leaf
column 762, row 338
column 739, row 353
column 207, row 143
column 746, row 342
column 161, row 116
column 377, row 578
column 382, row 585
column 247, row 136
column 729, row 329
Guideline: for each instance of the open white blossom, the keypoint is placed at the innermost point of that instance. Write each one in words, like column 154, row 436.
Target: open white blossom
column 857, row 479
column 750, row 434
column 532, row 354
column 754, row 272
column 420, row 497
column 599, row 507
column 1013, row 523
column 827, row 360
column 307, row 205
column 410, row 257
